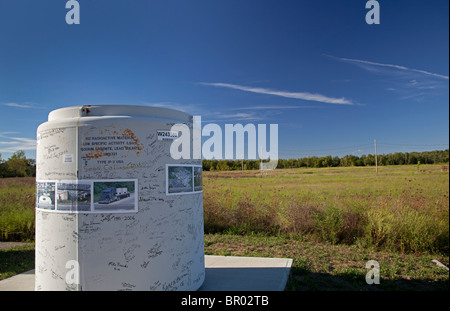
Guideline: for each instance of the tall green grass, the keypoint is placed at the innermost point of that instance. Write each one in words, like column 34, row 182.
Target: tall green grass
column 17, row 212
column 400, row 209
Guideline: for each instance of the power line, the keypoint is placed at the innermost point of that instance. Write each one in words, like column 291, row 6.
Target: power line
column 413, row 145
column 359, row 146
column 328, row 149
column 355, row 148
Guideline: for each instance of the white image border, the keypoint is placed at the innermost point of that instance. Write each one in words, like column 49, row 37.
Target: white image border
column 91, row 210
column 73, row 181
column 192, row 171
column 136, row 197
column 36, row 196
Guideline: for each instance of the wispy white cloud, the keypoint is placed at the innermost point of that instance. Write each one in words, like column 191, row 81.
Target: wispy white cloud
column 422, row 85
column 13, row 144
column 193, row 109
column 230, row 116
column 208, row 115
column 2, row 134
column 295, row 95
column 16, row 105
column 275, row 107
column 397, row 67
column 251, row 113
column 241, row 117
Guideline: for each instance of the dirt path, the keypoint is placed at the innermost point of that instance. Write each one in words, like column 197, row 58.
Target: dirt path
column 6, row 245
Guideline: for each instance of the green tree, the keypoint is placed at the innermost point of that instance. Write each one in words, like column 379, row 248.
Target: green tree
column 17, row 164
column 336, row 161
column 369, row 160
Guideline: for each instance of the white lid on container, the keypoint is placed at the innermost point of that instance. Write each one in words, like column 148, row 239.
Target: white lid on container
column 118, row 111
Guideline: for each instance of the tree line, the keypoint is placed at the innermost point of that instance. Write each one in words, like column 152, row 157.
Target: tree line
column 19, row 166
column 397, row 158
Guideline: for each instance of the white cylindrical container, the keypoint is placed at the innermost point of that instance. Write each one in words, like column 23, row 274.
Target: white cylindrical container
column 114, row 210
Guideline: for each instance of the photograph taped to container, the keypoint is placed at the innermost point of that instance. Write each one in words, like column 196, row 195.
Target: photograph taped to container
column 183, row 179
column 198, row 179
column 115, row 196
column 45, row 195
column 179, row 179
column 73, row 196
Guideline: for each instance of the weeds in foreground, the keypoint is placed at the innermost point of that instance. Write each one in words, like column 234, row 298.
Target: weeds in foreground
column 17, row 200
column 399, row 210
column 321, row 266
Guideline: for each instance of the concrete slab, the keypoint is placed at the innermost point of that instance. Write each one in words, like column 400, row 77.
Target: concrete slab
column 20, row 282
column 229, row 273
column 223, row 273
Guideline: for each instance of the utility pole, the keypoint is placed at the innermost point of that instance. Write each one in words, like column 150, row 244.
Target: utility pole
column 260, row 161
column 376, row 158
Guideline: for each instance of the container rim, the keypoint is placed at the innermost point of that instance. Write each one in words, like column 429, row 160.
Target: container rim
column 118, row 111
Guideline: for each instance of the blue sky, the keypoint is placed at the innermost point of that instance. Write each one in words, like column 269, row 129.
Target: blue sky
column 330, row 81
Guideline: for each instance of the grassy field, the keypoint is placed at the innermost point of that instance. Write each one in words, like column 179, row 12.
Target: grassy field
column 331, row 221
column 403, row 208
column 325, row 267
column 17, row 203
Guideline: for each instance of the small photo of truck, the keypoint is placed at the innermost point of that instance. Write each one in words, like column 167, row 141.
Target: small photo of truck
column 113, row 194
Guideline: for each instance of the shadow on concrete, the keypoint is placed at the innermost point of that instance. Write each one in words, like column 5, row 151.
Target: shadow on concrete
column 245, row 279
column 16, row 261
column 304, row 280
